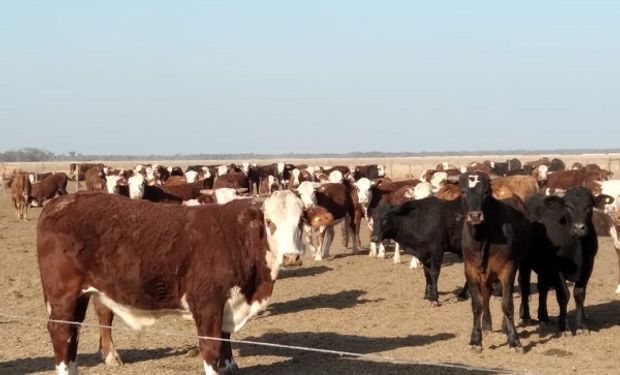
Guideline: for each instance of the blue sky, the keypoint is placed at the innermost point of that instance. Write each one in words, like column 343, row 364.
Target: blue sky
column 167, row 77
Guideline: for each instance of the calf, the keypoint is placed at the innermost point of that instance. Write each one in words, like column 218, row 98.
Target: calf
column 341, row 201
column 20, row 191
column 564, row 245
column 215, row 263
column 495, row 237
column 424, row 228
column 48, row 188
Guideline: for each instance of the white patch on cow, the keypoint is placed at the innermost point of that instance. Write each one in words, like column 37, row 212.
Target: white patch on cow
column 373, row 250
column 191, row 203
column 473, row 180
column 463, row 169
column 225, row 195
column 137, row 318
column 270, row 182
column 363, row 191
column 542, row 172
column 49, row 308
column 222, row 170
column 206, row 172
column 106, row 170
column 136, row 186
column 415, row 263
column 295, row 173
column 437, row 179
column 111, row 182
column 139, row 167
column 150, row 173
column 191, row 176
column 307, row 193
column 396, row 253
column 284, row 210
column 335, row 177
column 280, row 168
column 492, row 164
column 208, row 369
column 169, row 169
column 63, row 369
column 445, row 165
column 31, row 178
column 381, row 253
column 618, row 289
column 381, row 170
column 312, row 169
column 237, row 310
column 245, row 167
column 611, row 188
column 421, row 191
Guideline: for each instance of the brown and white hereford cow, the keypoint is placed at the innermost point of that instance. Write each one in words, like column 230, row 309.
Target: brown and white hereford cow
column 214, row 263
column 48, row 188
column 20, row 191
column 341, row 201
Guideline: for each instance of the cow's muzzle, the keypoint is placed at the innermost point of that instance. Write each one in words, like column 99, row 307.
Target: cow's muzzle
column 579, row 229
column 475, row 217
column 292, row 260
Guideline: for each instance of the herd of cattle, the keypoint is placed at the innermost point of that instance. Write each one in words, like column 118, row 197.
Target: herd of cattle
column 134, row 245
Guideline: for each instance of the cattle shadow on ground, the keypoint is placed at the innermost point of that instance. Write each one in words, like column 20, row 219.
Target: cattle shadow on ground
column 303, row 272
column 37, row 364
column 306, row 364
column 341, row 300
column 333, row 341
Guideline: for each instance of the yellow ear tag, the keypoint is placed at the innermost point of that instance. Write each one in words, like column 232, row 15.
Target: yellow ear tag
column 316, row 219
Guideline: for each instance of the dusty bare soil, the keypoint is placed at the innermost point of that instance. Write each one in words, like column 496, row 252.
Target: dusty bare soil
column 350, row 302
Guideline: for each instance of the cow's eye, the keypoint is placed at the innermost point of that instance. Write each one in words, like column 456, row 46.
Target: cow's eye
column 270, row 225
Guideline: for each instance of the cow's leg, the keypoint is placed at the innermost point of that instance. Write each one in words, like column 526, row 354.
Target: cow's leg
column 227, row 364
column 358, row 225
column 487, row 323
column 562, row 294
column 543, row 290
column 434, row 276
column 373, row 250
column 525, row 274
column 352, row 230
column 209, row 323
column 429, row 283
column 106, row 345
column 579, row 291
column 381, row 253
column 68, row 307
column 475, row 342
column 507, row 279
column 345, row 235
column 396, row 253
column 327, row 242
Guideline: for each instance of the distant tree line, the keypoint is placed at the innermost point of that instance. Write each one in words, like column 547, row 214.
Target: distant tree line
column 36, row 154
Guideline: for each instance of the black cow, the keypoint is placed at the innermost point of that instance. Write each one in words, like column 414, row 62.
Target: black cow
column 556, row 165
column 495, row 236
column 564, row 245
column 424, row 228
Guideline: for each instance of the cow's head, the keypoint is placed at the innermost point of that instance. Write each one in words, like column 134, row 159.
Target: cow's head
column 191, row 176
column 112, row 183
column 605, row 202
column 383, row 222
column 364, row 193
column 579, row 205
column 282, row 214
column 335, row 176
column 136, row 185
column 475, row 190
column 381, row 170
column 222, row 170
column 422, row 190
column 307, row 193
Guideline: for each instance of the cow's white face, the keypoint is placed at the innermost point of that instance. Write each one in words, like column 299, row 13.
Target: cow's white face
column 31, row 178
column 225, row 195
column 191, row 176
column 245, row 167
column 363, row 191
column 280, row 167
column 150, row 173
column 136, row 186
column 306, row 191
column 282, row 212
column 335, row 177
column 111, row 182
column 222, row 170
column 207, row 172
column 542, row 172
column 422, row 190
column 438, row 178
column 381, row 170
column 295, row 173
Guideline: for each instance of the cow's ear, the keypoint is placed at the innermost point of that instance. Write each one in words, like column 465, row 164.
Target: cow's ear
column 317, row 218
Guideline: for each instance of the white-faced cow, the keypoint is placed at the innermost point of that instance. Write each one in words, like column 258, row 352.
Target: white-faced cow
column 215, row 263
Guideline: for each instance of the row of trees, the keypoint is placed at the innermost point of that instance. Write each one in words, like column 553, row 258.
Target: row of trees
column 37, row 154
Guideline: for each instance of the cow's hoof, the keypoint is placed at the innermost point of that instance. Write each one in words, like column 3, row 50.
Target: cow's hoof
column 565, row 334
column 434, row 303
column 381, row 256
column 113, row 359
column 526, row 322
column 544, row 324
column 517, row 349
column 396, row 260
column 230, row 368
column 582, row 332
column 475, row 348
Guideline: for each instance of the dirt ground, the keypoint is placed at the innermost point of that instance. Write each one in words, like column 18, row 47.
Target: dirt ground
column 347, row 303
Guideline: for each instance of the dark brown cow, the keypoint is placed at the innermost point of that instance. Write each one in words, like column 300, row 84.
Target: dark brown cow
column 173, row 194
column 95, row 179
column 78, row 170
column 215, row 263
column 48, row 188
column 235, row 180
column 495, row 238
column 20, row 191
